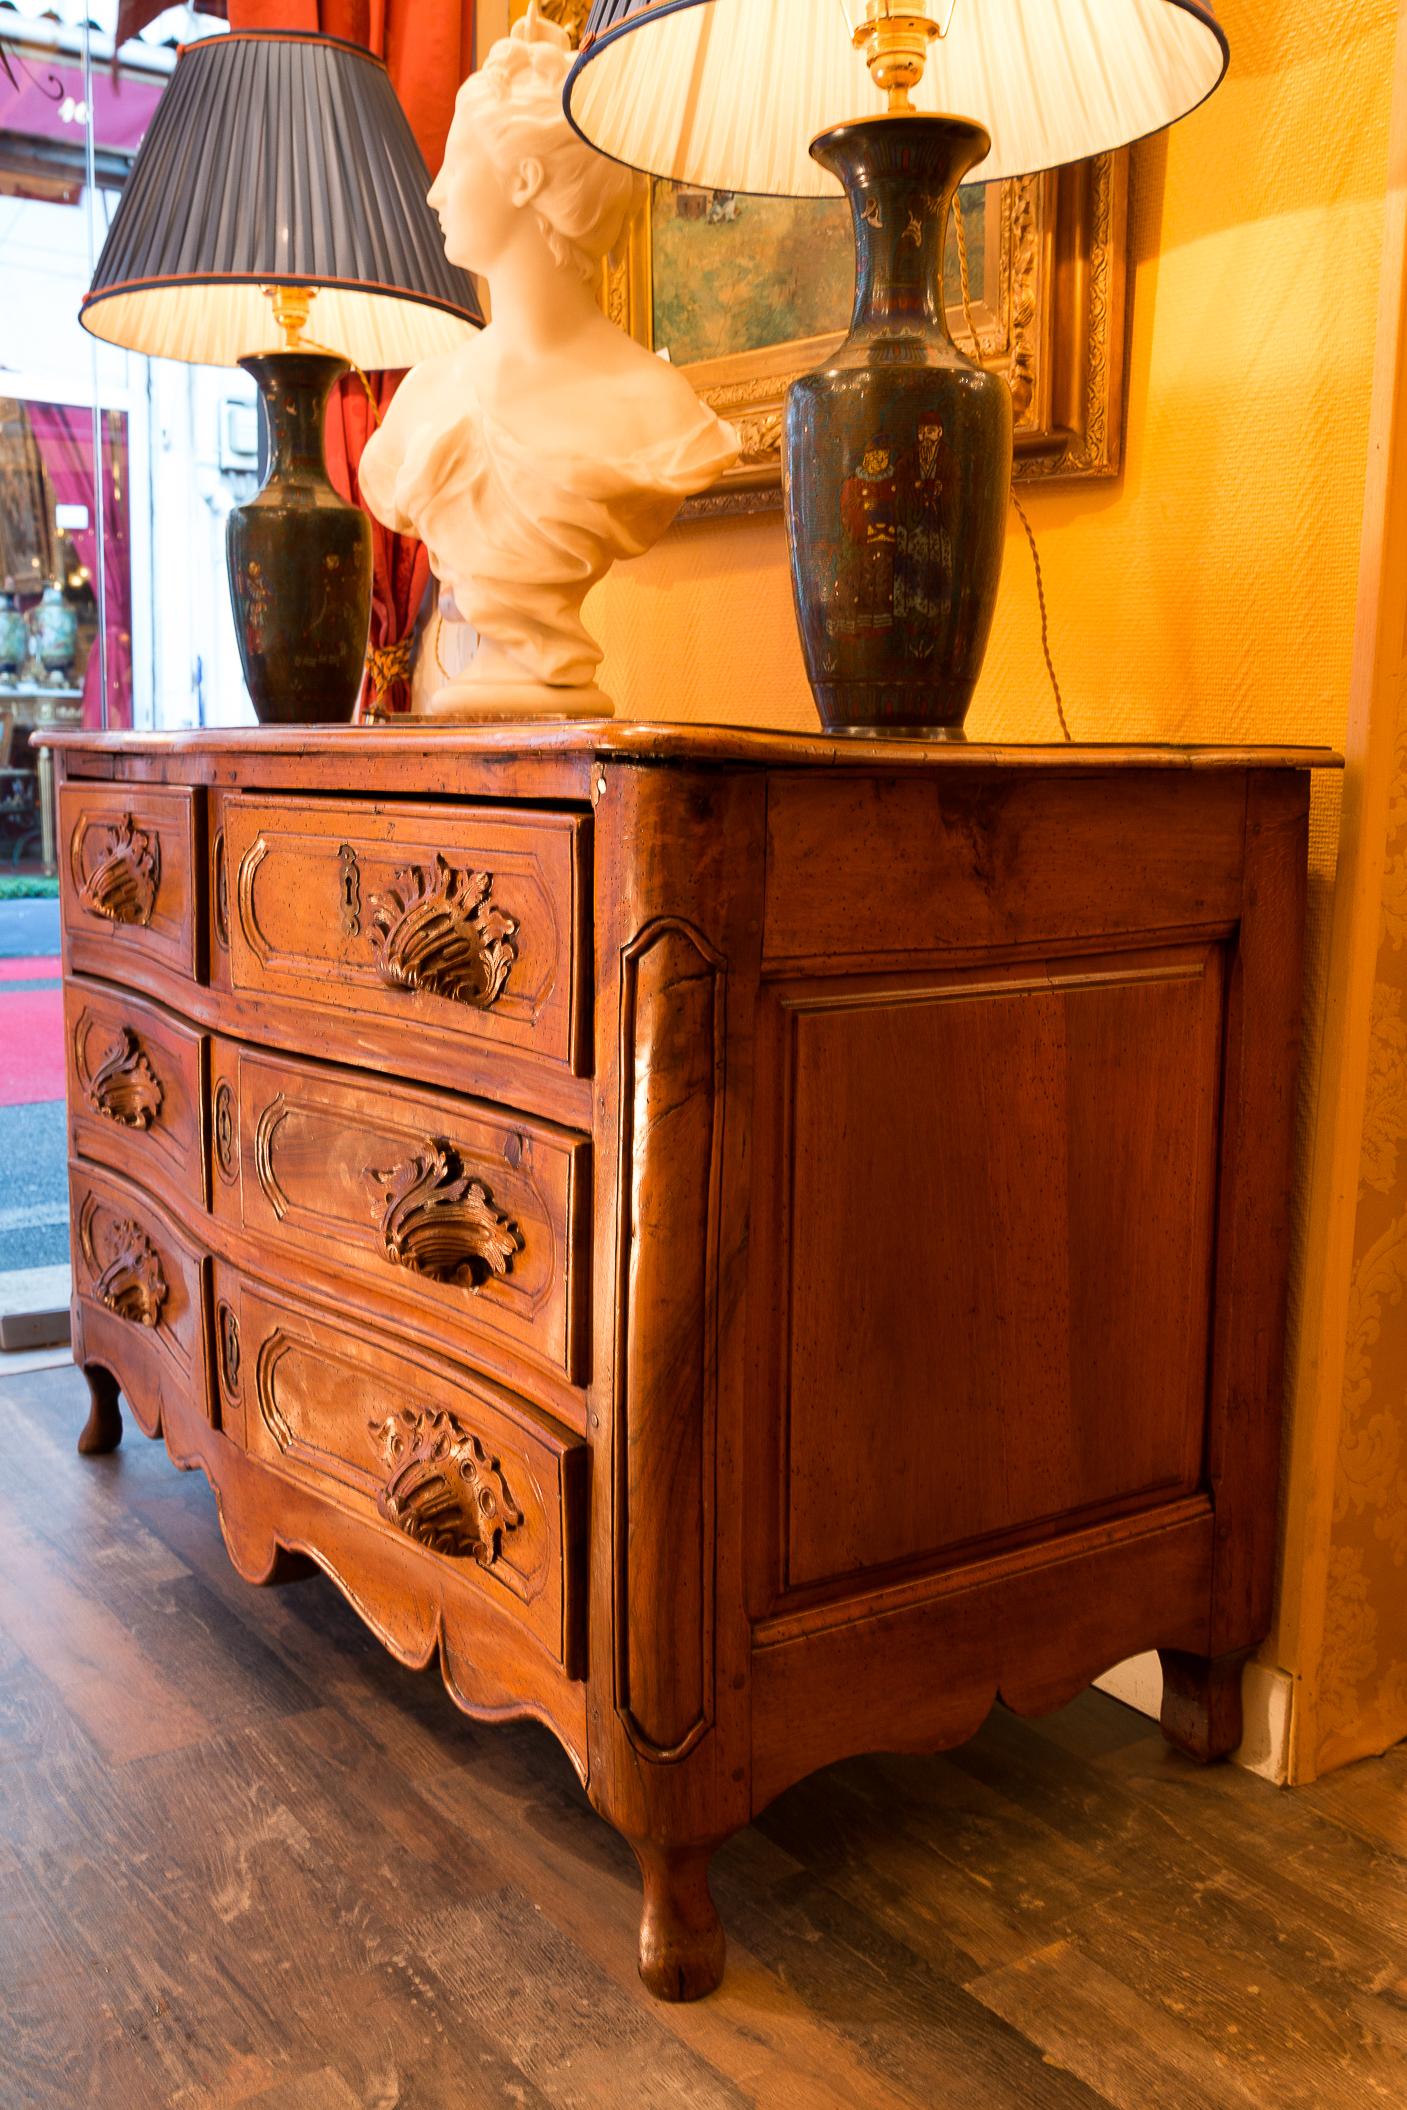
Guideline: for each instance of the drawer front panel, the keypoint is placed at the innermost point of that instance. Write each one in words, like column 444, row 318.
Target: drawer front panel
column 131, row 1262
column 135, row 1094
column 462, row 922
column 128, row 870
column 478, row 1213
column 495, row 1492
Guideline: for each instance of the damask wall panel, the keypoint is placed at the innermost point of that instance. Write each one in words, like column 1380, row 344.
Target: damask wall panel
column 1361, row 1701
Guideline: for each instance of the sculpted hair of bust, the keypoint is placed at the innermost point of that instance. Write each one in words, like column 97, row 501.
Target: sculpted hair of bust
column 515, row 105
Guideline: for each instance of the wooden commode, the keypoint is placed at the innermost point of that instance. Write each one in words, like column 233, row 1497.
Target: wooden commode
column 746, row 1247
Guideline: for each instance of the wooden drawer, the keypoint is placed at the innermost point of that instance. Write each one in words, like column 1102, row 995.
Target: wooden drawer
column 464, row 922
column 135, row 1088
column 140, row 1277
column 490, row 1490
column 478, row 1215
column 128, row 867
column 974, row 859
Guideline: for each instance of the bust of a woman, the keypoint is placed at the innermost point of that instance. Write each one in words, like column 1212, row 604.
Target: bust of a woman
column 551, row 444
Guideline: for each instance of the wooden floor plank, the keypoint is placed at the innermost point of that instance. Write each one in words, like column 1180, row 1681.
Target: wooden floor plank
column 756, row 2031
column 1091, row 1732
column 1369, row 1798
column 912, row 2025
column 1350, row 1888
column 106, row 1681
column 585, row 2043
column 1214, row 1962
column 1206, row 1824
column 1088, row 2024
column 309, row 2091
column 91, row 1508
column 61, row 2045
column 319, row 1638
column 34, row 1723
column 246, row 1859
column 971, row 1879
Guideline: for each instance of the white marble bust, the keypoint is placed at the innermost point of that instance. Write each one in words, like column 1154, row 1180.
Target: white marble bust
column 551, row 444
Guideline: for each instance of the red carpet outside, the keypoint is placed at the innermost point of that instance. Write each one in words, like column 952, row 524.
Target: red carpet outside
column 31, row 1035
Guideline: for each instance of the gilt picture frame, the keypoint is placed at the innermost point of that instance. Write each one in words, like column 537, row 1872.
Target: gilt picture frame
column 1048, row 297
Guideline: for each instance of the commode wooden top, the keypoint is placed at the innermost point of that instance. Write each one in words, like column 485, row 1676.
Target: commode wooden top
column 427, row 751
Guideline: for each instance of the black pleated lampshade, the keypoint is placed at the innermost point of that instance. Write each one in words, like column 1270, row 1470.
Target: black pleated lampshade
column 278, row 159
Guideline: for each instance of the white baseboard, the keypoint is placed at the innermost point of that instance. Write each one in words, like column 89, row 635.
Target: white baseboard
column 1267, row 1702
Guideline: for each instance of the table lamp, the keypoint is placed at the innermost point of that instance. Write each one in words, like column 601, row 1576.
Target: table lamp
column 896, row 460
column 275, row 218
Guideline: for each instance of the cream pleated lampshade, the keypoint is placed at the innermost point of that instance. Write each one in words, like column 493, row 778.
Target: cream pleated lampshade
column 728, row 94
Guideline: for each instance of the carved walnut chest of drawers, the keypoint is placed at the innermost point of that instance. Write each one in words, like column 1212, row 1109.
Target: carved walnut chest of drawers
column 746, row 1248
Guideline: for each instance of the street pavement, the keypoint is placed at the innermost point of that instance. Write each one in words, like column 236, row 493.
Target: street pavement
column 29, row 930
column 33, row 1180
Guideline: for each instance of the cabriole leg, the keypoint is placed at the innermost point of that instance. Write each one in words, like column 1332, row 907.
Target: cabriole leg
column 1202, row 1702
column 102, row 1431
column 681, row 1936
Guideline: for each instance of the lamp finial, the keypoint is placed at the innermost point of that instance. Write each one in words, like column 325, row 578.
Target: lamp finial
column 896, row 49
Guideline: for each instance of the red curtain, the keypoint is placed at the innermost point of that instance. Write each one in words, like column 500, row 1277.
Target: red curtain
column 400, row 565
column 64, row 437
column 428, row 46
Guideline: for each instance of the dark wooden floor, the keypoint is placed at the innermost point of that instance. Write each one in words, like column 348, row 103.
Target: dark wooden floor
column 245, row 1858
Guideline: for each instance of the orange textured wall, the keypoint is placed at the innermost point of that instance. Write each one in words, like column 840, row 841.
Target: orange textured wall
column 1208, row 592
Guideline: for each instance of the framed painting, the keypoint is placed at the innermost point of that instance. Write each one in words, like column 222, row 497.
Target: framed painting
column 744, row 293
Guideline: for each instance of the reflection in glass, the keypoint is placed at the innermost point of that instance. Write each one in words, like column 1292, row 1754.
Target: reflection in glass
column 48, row 559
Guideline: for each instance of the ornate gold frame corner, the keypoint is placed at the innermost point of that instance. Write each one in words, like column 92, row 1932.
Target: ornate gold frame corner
column 1051, row 318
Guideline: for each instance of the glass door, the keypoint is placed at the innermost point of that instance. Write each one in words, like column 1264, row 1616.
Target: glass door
column 115, row 474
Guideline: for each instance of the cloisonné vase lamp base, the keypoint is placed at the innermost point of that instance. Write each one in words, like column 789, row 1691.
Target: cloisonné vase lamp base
column 897, row 454
column 252, row 138
column 299, row 558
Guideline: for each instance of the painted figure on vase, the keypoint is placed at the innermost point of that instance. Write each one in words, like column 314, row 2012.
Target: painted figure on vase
column 552, row 444
column 925, row 554
column 867, row 504
column 893, row 558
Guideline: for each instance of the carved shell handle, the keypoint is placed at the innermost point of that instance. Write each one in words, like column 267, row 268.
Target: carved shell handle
column 122, row 885
column 439, row 931
column 132, row 1284
column 444, row 1489
column 439, row 1222
column 124, row 1087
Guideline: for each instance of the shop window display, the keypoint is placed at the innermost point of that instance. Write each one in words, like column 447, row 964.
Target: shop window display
column 49, row 615
column 116, row 474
